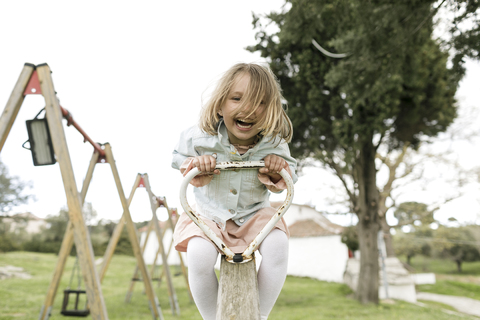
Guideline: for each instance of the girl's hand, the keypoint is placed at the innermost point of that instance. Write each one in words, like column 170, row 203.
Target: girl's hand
column 206, row 164
column 273, row 165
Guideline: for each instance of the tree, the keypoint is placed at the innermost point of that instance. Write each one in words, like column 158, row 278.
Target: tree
column 409, row 213
column 407, row 246
column 457, row 244
column 11, row 191
column 392, row 89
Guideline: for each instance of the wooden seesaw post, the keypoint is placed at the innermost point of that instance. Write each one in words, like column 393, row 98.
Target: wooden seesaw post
column 238, row 288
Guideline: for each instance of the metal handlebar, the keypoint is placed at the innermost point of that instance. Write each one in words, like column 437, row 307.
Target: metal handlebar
column 247, row 254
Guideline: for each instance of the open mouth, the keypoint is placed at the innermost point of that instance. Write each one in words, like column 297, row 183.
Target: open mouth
column 243, row 124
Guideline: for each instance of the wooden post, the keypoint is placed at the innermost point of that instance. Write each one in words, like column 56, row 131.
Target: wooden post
column 238, row 291
column 14, row 103
column 171, row 290
column 66, row 248
column 132, row 232
column 80, row 232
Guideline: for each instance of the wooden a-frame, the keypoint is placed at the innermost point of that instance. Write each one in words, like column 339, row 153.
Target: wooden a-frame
column 142, row 181
column 37, row 80
column 162, row 202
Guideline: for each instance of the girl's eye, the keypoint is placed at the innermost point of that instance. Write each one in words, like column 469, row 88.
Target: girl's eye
column 236, row 98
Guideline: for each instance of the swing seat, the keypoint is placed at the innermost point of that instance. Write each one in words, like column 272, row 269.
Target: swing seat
column 73, row 312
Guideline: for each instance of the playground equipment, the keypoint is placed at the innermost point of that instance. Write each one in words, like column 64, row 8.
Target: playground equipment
column 78, row 292
column 158, row 202
column 238, row 287
column 142, row 181
column 37, row 80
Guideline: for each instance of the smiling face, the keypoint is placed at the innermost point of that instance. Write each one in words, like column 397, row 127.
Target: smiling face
column 242, row 125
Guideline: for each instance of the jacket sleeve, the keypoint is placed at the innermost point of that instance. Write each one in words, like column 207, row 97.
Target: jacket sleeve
column 184, row 153
column 184, row 149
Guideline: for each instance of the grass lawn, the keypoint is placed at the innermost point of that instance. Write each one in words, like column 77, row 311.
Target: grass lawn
column 448, row 280
column 424, row 264
column 301, row 298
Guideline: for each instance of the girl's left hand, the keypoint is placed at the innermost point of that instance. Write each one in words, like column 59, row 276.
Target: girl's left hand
column 273, row 165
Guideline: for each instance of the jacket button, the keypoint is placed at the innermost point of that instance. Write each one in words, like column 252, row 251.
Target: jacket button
column 241, row 220
column 233, row 191
column 231, row 211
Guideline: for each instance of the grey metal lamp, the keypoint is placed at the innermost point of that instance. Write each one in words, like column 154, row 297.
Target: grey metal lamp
column 40, row 141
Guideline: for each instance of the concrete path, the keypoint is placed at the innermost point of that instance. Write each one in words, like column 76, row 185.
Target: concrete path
column 462, row 304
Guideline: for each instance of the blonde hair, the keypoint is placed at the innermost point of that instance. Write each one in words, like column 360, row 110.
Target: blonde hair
column 263, row 87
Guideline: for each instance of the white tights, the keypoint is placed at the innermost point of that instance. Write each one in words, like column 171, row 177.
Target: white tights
column 202, row 256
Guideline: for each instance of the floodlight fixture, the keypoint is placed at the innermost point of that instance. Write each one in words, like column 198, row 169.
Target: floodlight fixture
column 40, row 141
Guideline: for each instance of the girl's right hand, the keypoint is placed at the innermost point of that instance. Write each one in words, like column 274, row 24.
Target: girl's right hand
column 205, row 164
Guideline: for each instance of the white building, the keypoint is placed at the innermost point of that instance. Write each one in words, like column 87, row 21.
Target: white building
column 25, row 221
column 316, row 250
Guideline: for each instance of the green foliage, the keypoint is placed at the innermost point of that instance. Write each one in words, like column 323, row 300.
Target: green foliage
column 350, row 238
column 408, row 213
column 465, row 32
column 457, row 244
column 407, row 245
column 395, row 81
column 11, row 191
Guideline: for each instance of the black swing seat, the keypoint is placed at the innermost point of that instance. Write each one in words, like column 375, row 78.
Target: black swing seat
column 73, row 312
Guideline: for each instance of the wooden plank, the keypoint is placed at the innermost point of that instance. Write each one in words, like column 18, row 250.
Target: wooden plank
column 238, row 291
column 117, row 232
column 14, row 103
column 80, row 233
column 66, row 248
column 166, row 269
column 132, row 233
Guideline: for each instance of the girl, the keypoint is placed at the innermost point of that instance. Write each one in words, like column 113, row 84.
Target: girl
column 243, row 121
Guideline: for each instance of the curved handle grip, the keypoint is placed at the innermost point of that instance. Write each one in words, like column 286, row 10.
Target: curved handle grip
column 247, row 254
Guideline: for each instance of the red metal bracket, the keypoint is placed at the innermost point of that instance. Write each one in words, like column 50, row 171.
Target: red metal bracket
column 33, row 86
column 161, row 202
column 141, row 183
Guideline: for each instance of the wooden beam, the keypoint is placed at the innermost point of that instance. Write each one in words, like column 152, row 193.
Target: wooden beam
column 238, row 291
column 66, row 248
column 166, row 269
column 80, row 232
column 14, row 103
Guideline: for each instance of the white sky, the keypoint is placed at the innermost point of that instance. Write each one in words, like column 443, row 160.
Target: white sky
column 132, row 75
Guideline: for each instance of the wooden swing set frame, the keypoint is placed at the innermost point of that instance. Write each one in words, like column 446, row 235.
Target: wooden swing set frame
column 37, row 79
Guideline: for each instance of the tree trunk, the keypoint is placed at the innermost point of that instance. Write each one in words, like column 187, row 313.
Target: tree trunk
column 368, row 224
column 387, row 237
column 459, row 265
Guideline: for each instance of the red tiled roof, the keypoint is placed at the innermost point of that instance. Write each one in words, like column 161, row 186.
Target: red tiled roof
column 314, row 228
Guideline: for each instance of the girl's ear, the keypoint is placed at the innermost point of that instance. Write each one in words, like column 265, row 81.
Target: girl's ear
column 220, row 113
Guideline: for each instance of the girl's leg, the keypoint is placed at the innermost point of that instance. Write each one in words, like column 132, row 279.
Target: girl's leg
column 201, row 258
column 273, row 269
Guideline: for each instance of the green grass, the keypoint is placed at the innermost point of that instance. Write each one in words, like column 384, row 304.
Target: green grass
column 448, row 280
column 452, row 288
column 301, row 298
